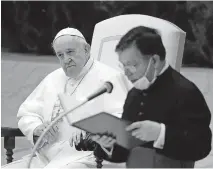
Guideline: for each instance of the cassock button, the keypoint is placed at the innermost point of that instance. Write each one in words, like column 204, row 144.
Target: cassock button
column 144, row 94
column 142, row 103
column 141, row 113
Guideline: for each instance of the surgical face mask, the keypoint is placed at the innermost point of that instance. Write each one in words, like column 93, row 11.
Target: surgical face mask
column 144, row 83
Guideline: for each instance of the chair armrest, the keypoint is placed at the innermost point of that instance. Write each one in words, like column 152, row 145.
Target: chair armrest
column 8, row 132
column 9, row 135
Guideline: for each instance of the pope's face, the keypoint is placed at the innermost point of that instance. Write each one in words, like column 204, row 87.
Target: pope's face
column 72, row 54
column 133, row 62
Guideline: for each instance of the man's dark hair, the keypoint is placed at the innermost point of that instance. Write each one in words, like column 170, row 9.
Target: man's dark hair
column 147, row 40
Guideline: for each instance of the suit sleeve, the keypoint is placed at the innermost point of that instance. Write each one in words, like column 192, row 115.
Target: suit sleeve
column 30, row 112
column 188, row 136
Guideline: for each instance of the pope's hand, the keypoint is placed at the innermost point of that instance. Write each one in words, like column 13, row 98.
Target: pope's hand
column 145, row 130
column 104, row 141
column 50, row 136
column 77, row 136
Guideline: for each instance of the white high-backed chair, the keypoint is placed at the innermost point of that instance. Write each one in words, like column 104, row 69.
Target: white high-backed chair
column 108, row 32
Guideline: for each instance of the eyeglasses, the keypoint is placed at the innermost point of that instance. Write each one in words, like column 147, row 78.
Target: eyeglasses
column 132, row 68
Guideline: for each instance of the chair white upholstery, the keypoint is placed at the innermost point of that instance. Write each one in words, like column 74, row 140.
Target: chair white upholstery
column 108, row 32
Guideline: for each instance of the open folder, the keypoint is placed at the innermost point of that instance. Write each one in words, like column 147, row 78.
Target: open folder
column 106, row 123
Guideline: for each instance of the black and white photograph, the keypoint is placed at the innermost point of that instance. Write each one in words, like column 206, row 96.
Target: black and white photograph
column 106, row 84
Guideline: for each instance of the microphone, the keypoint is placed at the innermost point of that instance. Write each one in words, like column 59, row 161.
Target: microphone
column 107, row 87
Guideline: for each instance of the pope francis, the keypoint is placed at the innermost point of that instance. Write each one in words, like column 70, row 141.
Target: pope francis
column 78, row 76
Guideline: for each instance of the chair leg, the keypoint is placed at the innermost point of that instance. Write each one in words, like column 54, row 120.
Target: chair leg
column 98, row 156
column 9, row 145
column 99, row 162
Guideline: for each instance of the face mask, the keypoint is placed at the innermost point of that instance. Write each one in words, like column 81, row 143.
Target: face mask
column 144, row 83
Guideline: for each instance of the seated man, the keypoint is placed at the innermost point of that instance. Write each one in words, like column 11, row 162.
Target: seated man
column 79, row 76
column 168, row 111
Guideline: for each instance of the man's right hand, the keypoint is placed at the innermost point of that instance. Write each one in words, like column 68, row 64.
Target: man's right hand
column 50, row 136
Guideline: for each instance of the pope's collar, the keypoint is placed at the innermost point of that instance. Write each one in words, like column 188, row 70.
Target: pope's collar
column 83, row 72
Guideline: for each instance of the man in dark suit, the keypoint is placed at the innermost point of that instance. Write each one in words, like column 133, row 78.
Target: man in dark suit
column 168, row 111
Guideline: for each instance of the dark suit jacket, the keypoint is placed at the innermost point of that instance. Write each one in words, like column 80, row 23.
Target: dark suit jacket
column 178, row 103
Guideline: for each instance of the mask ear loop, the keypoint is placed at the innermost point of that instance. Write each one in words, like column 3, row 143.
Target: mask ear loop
column 157, row 71
column 148, row 68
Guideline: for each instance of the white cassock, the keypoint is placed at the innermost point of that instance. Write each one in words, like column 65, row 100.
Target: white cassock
column 43, row 105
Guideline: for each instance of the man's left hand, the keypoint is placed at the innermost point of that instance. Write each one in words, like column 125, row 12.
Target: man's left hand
column 145, row 130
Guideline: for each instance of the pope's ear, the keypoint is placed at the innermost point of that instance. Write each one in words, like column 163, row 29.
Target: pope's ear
column 87, row 48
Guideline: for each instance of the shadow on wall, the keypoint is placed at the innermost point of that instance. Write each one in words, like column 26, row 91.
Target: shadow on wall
column 9, row 41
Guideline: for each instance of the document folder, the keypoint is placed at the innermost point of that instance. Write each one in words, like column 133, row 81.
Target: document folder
column 106, row 123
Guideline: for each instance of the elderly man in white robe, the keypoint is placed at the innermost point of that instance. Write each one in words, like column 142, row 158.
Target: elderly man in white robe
column 79, row 75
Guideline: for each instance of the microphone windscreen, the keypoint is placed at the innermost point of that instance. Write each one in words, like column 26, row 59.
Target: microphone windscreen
column 109, row 87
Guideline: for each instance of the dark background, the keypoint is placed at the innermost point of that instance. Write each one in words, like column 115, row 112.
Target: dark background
column 30, row 26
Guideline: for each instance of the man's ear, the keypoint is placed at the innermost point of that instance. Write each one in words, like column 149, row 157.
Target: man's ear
column 157, row 61
column 87, row 49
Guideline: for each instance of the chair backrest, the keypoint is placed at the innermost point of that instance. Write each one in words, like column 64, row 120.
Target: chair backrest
column 108, row 32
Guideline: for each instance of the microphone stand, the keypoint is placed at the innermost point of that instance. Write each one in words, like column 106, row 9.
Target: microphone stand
column 48, row 128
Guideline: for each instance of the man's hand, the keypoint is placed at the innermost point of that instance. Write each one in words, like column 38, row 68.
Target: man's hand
column 50, row 136
column 104, row 141
column 77, row 136
column 145, row 130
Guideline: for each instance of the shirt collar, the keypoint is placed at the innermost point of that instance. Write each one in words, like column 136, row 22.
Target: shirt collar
column 164, row 68
column 83, row 72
